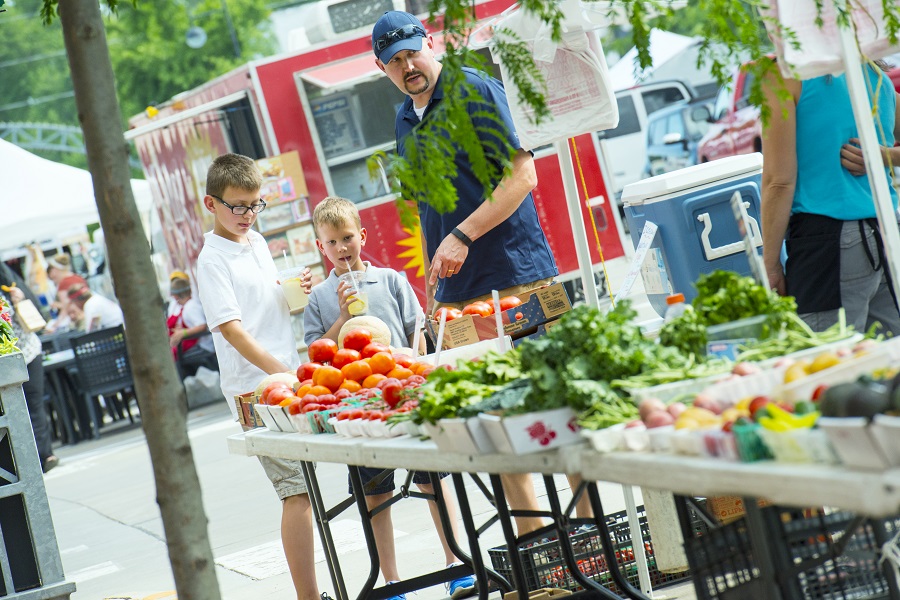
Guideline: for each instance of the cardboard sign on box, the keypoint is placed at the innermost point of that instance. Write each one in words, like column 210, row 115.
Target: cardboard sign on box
column 729, row 508
column 246, row 415
column 538, row 307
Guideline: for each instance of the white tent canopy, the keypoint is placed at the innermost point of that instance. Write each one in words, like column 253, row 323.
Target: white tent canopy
column 664, row 46
column 45, row 200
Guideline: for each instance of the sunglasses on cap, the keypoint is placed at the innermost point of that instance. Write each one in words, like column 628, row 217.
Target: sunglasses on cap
column 402, row 33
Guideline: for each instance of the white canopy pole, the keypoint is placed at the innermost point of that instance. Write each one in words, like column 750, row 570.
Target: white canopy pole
column 579, row 232
column 862, row 113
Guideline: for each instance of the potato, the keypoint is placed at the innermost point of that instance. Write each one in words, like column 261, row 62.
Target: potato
column 676, row 408
column 745, row 368
column 708, row 403
column 650, row 405
column 784, row 361
column 659, row 418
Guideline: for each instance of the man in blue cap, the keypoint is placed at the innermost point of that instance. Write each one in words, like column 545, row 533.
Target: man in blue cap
column 481, row 246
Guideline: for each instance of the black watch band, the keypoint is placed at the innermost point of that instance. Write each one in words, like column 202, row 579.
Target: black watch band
column 462, row 237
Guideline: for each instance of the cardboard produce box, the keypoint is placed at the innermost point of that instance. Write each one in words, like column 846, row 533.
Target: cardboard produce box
column 248, row 417
column 539, row 306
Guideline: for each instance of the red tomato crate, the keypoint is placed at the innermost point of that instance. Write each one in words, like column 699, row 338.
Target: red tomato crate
column 545, row 567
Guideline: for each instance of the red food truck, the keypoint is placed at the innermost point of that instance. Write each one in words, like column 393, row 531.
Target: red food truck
column 313, row 118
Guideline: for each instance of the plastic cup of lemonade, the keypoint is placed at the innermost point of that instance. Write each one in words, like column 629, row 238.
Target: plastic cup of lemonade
column 292, row 286
column 360, row 299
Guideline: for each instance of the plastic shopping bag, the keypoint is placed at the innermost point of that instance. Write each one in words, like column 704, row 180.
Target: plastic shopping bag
column 820, row 48
column 579, row 92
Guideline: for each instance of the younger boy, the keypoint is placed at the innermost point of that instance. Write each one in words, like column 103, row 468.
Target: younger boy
column 251, row 328
column 341, row 237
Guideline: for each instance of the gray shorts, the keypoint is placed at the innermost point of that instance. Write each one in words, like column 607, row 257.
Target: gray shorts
column 285, row 475
column 865, row 292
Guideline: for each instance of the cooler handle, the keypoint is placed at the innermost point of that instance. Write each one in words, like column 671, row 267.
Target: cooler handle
column 727, row 249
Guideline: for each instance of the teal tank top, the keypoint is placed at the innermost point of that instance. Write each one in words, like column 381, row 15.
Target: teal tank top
column 825, row 123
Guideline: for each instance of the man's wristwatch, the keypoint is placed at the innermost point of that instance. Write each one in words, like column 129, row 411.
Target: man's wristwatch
column 462, row 237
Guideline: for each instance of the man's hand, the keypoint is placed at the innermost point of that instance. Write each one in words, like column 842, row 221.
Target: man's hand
column 448, row 259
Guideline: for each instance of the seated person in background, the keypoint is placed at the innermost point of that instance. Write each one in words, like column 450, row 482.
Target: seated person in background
column 188, row 334
column 99, row 312
column 60, row 273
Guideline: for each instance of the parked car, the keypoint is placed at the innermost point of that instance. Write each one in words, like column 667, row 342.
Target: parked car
column 626, row 145
column 673, row 134
column 736, row 127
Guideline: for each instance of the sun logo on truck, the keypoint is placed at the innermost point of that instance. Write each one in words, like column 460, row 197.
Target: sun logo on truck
column 414, row 251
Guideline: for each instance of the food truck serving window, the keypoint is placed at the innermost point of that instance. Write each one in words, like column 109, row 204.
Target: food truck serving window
column 352, row 106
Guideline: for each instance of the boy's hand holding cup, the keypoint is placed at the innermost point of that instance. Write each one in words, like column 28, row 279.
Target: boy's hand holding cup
column 359, row 300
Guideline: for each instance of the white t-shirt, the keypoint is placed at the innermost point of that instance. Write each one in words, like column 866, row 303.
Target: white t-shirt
column 191, row 316
column 100, row 313
column 239, row 282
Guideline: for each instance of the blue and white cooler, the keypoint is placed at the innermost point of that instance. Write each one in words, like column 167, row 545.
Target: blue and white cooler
column 698, row 232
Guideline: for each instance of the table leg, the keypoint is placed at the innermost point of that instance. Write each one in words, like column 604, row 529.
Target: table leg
column 512, row 542
column 366, row 520
column 323, row 523
column 608, row 549
column 61, row 407
column 562, row 524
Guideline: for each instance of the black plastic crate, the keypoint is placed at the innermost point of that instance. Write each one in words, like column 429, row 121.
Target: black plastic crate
column 832, row 554
column 544, row 565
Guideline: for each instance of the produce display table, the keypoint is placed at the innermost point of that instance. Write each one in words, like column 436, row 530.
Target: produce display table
column 773, row 571
column 414, row 454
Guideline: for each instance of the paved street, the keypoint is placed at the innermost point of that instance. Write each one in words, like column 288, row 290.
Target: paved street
column 110, row 535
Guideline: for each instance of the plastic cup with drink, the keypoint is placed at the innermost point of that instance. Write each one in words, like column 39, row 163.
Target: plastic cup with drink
column 292, row 286
column 359, row 304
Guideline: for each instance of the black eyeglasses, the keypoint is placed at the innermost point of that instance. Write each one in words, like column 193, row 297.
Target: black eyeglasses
column 242, row 210
column 403, row 33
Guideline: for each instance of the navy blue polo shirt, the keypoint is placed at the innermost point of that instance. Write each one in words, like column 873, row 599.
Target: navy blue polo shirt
column 515, row 252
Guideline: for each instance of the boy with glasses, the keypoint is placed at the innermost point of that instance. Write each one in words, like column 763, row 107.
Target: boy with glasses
column 251, row 327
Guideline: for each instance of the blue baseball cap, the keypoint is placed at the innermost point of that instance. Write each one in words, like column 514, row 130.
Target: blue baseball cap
column 396, row 30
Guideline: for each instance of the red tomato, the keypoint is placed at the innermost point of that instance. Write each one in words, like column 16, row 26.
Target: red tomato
column 481, row 309
column 415, row 379
column 295, row 408
column 509, row 302
column 312, row 408
column 342, row 393
column 403, row 360
column 327, row 400
column 392, row 392
column 452, row 313
column 357, row 339
column 322, row 350
column 278, row 394
column 373, row 348
column 372, row 415
column 306, row 370
column 387, row 381
column 309, row 399
column 817, row 393
column 343, row 415
column 264, row 397
column 354, row 413
column 344, row 357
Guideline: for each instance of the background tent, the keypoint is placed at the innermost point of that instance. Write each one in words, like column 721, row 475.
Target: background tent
column 674, row 57
column 44, row 200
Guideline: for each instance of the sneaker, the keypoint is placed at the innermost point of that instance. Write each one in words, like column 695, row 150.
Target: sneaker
column 398, row 597
column 462, row 587
column 50, row 462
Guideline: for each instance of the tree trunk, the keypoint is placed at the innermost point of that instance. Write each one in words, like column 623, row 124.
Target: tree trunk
column 160, row 394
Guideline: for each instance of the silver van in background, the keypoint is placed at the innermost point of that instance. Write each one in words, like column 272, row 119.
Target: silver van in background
column 625, row 147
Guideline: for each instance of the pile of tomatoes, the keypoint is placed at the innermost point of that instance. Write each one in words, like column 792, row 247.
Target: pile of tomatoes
column 479, row 308
column 361, row 370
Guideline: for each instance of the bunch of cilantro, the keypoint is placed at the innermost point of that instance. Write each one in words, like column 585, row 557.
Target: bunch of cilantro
column 572, row 364
column 447, row 392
